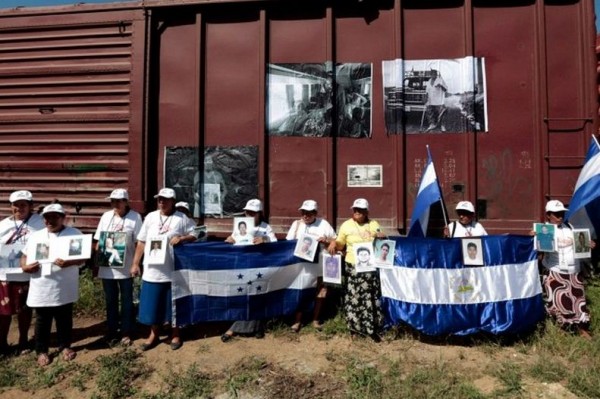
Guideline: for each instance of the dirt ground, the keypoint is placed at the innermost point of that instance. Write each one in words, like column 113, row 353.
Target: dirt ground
column 309, row 353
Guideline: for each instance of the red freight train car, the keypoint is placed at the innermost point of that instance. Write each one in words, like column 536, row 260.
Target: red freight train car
column 289, row 100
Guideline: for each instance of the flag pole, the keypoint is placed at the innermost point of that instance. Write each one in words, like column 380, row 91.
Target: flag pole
column 444, row 211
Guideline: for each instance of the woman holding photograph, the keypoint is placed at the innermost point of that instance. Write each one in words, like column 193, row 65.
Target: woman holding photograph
column 262, row 234
column 155, row 297
column 52, row 294
column 15, row 230
column 117, row 281
column 362, row 307
column 309, row 223
column 563, row 280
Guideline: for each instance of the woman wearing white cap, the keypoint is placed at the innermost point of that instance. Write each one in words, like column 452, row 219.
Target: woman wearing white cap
column 52, row 294
column 262, row 233
column 466, row 225
column 155, row 297
column 563, row 282
column 15, row 231
column 309, row 223
column 362, row 305
column 117, row 281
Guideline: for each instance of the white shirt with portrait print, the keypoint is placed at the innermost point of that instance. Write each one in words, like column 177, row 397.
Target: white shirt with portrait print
column 18, row 232
column 157, row 225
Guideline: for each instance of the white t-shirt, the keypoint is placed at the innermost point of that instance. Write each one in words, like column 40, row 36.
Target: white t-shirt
column 8, row 228
column 156, row 225
column 563, row 260
column 264, row 230
column 473, row 229
column 320, row 228
column 61, row 287
column 131, row 224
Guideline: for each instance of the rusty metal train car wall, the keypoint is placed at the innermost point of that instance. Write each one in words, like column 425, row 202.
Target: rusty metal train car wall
column 92, row 97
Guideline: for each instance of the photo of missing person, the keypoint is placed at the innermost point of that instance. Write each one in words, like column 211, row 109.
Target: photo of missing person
column 42, row 251
column 75, row 246
column 365, row 261
column 472, row 252
column 332, row 269
column 544, row 237
column 156, row 250
column 306, row 247
column 243, row 230
column 582, row 239
column 384, row 252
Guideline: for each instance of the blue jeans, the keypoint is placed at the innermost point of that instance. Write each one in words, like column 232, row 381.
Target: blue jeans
column 112, row 288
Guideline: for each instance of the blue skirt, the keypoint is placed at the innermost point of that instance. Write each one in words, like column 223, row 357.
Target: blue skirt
column 155, row 303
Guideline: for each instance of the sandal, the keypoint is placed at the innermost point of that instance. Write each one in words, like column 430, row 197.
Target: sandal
column 316, row 325
column 125, row 341
column 146, row 346
column 226, row 337
column 43, row 359
column 296, row 327
column 68, row 354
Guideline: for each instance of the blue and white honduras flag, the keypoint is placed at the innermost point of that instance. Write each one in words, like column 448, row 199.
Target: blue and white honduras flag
column 220, row 281
column 429, row 194
column 584, row 208
column 436, row 294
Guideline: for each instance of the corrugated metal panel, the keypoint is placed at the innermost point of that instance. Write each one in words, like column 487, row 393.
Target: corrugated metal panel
column 65, row 108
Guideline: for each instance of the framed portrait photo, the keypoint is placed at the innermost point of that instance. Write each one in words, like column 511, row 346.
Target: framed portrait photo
column 306, row 247
column 112, row 249
column 243, row 230
column 71, row 247
column 545, row 237
column 332, row 268
column 363, row 255
column 581, row 241
column 155, row 250
column 384, row 253
column 472, row 252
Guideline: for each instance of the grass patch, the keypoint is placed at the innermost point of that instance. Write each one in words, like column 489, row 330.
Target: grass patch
column 509, row 374
column 91, row 296
column 242, row 376
column 117, row 373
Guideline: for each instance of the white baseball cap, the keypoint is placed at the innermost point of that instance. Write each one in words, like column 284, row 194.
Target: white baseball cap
column 119, row 193
column 166, row 193
column 555, row 206
column 254, row 205
column 360, row 203
column 183, row 204
column 308, row 205
column 465, row 206
column 56, row 208
column 20, row 195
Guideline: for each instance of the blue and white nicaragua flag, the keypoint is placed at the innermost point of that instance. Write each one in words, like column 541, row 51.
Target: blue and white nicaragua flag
column 436, row 294
column 429, row 193
column 219, row 281
column 584, row 208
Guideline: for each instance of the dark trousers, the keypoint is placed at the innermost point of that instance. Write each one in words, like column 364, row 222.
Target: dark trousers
column 43, row 324
column 119, row 320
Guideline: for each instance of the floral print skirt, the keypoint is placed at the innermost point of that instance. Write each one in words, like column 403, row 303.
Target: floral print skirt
column 362, row 305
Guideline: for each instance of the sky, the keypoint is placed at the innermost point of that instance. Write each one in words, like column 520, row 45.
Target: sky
column 38, row 3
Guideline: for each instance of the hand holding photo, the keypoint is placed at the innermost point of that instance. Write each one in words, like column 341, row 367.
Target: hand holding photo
column 306, row 247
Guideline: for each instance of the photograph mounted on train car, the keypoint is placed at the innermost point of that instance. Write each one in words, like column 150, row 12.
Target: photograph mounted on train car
column 435, row 96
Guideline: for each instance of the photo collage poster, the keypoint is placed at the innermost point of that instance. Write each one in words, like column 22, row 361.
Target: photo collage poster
column 228, row 177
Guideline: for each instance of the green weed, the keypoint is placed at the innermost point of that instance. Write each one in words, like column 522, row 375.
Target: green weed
column 244, row 374
column 91, row 296
column 117, row 373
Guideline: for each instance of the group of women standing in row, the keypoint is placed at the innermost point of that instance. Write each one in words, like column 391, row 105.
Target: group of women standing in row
column 53, row 293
